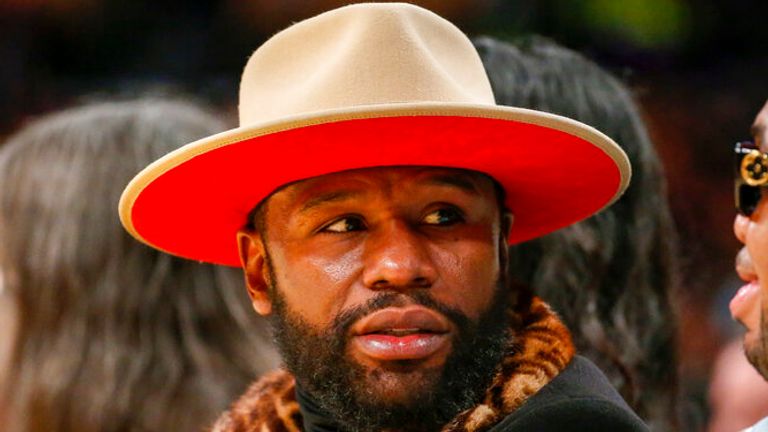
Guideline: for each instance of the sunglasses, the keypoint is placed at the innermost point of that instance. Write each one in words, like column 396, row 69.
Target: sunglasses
column 750, row 174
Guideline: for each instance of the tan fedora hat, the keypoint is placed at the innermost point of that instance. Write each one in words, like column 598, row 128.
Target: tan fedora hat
column 365, row 85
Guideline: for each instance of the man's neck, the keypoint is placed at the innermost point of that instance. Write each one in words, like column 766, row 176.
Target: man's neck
column 315, row 418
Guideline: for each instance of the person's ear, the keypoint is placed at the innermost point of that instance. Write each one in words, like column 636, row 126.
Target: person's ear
column 255, row 267
column 506, row 225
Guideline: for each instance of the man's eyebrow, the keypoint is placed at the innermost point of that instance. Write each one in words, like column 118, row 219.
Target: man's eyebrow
column 459, row 181
column 324, row 198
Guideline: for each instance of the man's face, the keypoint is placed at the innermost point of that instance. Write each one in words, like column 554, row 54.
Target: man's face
column 384, row 284
column 750, row 305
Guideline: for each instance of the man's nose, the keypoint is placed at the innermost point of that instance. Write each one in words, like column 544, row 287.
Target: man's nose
column 740, row 226
column 396, row 257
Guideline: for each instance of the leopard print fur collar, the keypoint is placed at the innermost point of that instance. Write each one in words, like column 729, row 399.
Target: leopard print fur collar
column 541, row 349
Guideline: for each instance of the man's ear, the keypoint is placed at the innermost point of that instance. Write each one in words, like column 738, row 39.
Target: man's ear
column 252, row 251
column 507, row 219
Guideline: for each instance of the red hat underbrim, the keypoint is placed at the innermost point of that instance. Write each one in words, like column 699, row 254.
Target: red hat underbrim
column 194, row 208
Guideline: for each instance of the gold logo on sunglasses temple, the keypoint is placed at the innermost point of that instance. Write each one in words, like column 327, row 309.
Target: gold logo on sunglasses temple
column 754, row 168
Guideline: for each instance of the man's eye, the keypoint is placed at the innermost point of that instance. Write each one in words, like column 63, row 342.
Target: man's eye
column 444, row 216
column 346, row 224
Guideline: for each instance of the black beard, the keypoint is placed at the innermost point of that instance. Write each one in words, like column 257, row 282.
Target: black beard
column 758, row 354
column 342, row 388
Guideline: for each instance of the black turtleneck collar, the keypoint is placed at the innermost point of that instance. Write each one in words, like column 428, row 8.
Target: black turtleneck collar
column 315, row 419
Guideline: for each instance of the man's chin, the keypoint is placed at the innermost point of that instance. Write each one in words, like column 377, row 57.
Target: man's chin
column 751, row 340
column 401, row 384
column 754, row 349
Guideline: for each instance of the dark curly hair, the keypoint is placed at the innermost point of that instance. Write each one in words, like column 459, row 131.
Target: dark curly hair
column 611, row 276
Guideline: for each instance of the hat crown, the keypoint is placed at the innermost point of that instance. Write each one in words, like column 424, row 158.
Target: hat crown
column 362, row 54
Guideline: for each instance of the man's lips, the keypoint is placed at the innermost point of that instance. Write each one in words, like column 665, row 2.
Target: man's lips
column 408, row 333
column 744, row 266
column 395, row 318
column 744, row 300
column 747, row 298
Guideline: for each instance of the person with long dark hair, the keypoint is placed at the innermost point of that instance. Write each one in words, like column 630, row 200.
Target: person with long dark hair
column 611, row 276
column 112, row 335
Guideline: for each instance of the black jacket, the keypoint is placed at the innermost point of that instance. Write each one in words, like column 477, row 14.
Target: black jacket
column 580, row 398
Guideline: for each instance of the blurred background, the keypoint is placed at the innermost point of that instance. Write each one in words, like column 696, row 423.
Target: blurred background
column 698, row 68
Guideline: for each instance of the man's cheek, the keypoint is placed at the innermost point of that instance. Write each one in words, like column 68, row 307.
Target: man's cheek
column 763, row 312
column 757, row 243
column 482, row 276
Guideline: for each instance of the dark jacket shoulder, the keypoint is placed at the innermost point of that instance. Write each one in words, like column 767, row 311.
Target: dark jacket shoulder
column 580, row 398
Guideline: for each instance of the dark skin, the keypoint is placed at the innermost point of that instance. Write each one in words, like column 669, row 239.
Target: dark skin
column 751, row 304
column 338, row 240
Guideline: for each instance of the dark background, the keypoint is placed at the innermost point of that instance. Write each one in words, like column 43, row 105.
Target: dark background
column 698, row 68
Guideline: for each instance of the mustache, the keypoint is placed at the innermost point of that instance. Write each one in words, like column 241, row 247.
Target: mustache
column 342, row 323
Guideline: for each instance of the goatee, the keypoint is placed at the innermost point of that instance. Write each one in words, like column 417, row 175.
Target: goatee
column 352, row 395
column 758, row 354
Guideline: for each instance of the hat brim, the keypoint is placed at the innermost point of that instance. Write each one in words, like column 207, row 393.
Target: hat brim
column 555, row 171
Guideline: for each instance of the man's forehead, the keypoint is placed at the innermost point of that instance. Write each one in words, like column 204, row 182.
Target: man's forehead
column 338, row 185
